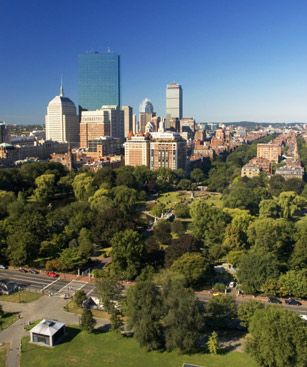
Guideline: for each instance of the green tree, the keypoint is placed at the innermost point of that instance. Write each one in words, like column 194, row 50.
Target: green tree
column 85, row 243
column 186, row 243
column 79, row 297
column 83, row 186
column 192, row 266
column 220, row 310
column 197, row 175
column 278, row 338
column 208, row 223
column 87, row 321
column 124, row 198
column 293, row 283
column 213, row 343
column 184, row 184
column 144, row 310
column 45, row 187
column 291, row 204
column 236, row 232
column 183, row 320
column 100, row 201
column 109, row 290
column 246, row 311
column 298, row 258
column 6, row 197
column 71, row 259
column 127, row 253
column 255, row 268
column 272, row 235
column 125, row 176
column 269, row 208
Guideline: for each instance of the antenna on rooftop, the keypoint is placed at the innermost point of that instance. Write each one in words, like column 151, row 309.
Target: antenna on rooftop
column 61, row 87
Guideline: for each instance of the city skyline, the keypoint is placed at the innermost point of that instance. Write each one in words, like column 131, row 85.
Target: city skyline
column 238, row 61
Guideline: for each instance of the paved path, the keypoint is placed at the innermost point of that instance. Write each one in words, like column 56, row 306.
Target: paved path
column 44, row 307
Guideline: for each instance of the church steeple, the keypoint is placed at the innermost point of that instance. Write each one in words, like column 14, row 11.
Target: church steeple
column 61, row 88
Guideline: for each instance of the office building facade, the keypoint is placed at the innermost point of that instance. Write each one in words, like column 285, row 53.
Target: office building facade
column 61, row 121
column 128, row 120
column 107, row 121
column 99, row 80
column 174, row 102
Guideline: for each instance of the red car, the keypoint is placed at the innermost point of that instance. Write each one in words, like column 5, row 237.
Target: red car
column 52, row 274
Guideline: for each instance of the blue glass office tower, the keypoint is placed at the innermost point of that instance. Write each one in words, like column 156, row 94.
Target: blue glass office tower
column 99, row 80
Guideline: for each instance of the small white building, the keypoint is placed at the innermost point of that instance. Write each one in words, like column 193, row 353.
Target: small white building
column 47, row 332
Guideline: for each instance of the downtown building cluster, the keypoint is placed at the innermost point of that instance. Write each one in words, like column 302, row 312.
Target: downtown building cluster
column 101, row 131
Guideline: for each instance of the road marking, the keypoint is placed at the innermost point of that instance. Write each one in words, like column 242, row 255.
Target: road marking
column 50, row 284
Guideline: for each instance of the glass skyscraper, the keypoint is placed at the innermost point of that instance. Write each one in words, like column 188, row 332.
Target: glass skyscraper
column 99, row 80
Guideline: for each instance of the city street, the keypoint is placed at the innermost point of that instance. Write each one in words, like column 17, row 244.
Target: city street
column 44, row 284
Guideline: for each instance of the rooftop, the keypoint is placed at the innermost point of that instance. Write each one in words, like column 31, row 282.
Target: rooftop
column 47, row 327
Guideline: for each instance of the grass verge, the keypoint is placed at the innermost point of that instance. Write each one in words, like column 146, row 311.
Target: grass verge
column 21, row 297
column 110, row 349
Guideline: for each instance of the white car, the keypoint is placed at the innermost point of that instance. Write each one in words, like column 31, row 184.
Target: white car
column 2, row 266
column 232, row 284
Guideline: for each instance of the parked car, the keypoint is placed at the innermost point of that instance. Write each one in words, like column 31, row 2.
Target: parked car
column 23, row 270
column 292, row 302
column 3, row 267
column 52, row 274
column 33, row 271
column 274, row 300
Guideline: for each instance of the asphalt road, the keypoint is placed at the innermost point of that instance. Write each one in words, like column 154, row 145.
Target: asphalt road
column 43, row 283
column 60, row 287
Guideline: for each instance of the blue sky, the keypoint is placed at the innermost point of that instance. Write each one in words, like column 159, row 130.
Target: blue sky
column 236, row 59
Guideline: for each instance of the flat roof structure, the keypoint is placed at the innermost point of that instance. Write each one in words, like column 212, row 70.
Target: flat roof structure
column 47, row 332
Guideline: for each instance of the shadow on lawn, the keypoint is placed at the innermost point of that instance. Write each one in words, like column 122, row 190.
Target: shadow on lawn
column 102, row 329
column 70, row 334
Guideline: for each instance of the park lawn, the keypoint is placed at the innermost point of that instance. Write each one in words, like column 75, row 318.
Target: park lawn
column 171, row 199
column 113, row 350
column 3, row 352
column 215, row 200
column 72, row 307
column 8, row 319
column 21, row 297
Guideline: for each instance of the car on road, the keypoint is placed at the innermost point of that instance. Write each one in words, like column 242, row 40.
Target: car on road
column 33, row 271
column 52, row 274
column 2, row 267
column 292, row 302
column 274, row 300
column 23, row 270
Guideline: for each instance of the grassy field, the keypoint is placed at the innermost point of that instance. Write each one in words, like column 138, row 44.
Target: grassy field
column 21, row 297
column 112, row 350
column 171, row 199
column 8, row 319
column 3, row 351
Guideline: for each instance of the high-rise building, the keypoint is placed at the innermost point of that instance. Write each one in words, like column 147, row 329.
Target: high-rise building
column 137, row 151
column 174, row 100
column 61, row 120
column 128, row 120
column 146, row 114
column 168, row 150
column 4, row 133
column 146, row 106
column 99, row 80
column 107, row 121
column 187, row 125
